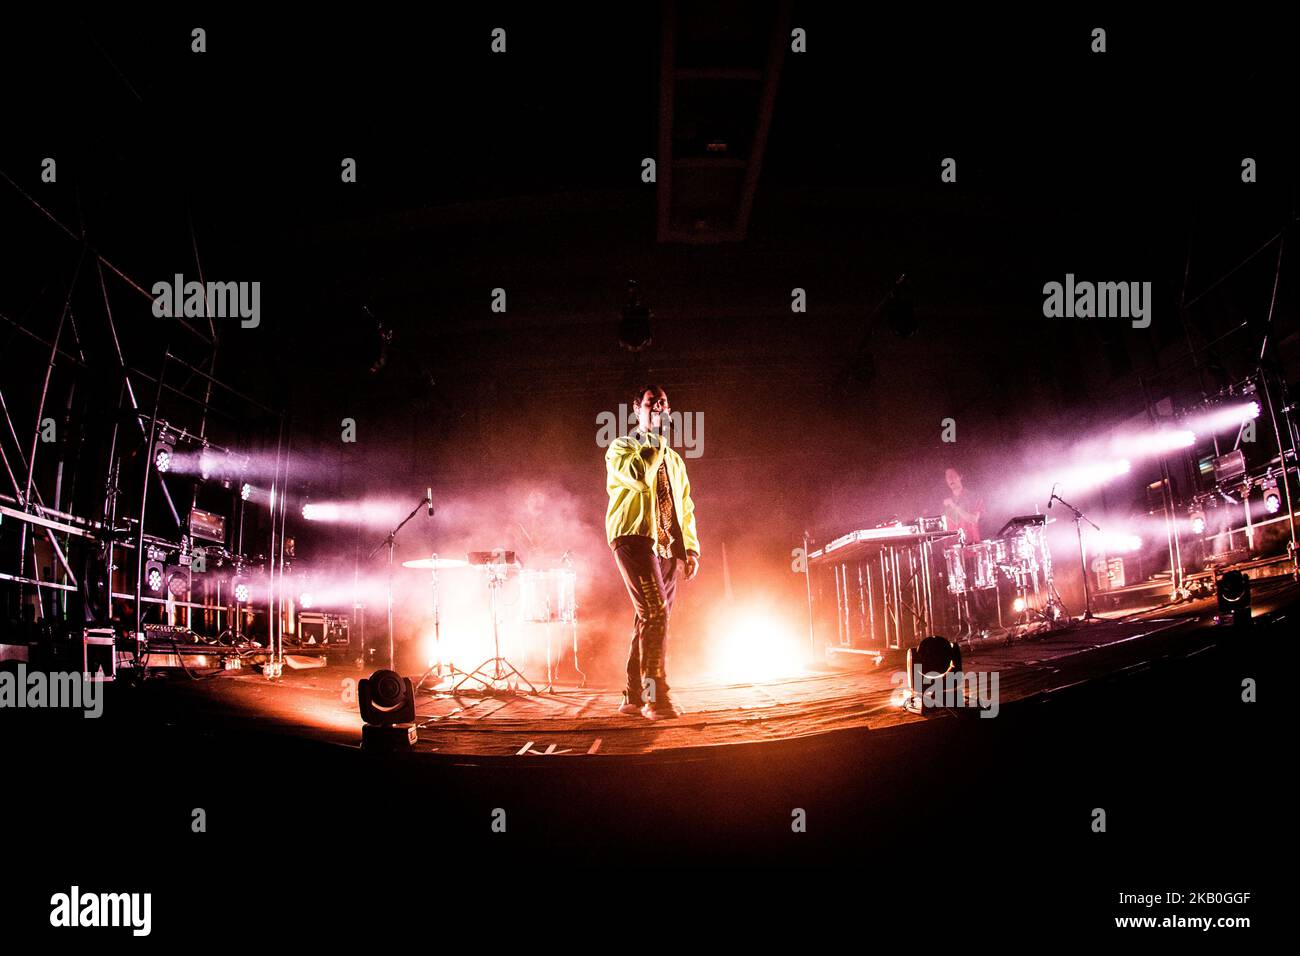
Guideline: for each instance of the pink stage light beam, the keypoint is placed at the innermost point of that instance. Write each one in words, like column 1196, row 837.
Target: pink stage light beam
column 1221, row 419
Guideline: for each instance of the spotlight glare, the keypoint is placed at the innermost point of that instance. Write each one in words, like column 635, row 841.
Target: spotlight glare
column 1018, row 605
column 246, row 491
column 1154, row 443
column 1224, row 417
column 1085, row 477
column 757, row 647
column 1118, row 542
column 371, row 512
column 321, row 512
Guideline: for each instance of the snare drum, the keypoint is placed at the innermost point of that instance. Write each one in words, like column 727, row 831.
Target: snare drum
column 984, row 559
column 548, row 596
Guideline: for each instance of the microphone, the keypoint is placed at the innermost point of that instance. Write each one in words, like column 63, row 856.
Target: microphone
column 1052, row 498
column 428, row 497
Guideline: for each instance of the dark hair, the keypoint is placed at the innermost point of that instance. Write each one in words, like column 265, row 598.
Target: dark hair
column 640, row 393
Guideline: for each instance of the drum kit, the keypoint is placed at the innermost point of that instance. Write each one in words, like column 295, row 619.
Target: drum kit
column 548, row 598
column 1017, row 564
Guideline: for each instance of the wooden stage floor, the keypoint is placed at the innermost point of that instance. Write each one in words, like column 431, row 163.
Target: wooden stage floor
column 585, row 723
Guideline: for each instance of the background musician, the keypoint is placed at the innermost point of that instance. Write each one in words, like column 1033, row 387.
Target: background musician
column 964, row 508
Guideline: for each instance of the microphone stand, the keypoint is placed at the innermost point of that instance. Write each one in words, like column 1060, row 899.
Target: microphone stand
column 1083, row 561
column 390, row 542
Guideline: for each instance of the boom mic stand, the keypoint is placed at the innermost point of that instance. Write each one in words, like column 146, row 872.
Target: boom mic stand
column 390, row 543
column 1083, row 562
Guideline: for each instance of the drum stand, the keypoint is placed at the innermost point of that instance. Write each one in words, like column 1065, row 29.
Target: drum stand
column 1083, row 561
column 390, row 543
column 501, row 668
column 965, row 631
column 436, row 668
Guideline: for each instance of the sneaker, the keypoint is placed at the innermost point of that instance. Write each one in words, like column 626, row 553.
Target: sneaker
column 630, row 709
column 660, row 710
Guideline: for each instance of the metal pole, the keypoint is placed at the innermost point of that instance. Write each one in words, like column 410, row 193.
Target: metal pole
column 144, row 500
column 392, row 654
column 284, row 522
column 1083, row 564
column 1286, row 484
column 807, row 573
column 277, row 497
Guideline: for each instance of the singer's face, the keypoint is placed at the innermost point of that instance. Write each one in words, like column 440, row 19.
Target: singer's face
column 954, row 481
column 651, row 410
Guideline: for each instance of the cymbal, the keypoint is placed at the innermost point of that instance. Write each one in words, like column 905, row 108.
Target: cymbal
column 436, row 564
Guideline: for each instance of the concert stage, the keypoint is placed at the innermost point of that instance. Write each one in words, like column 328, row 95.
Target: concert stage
column 738, row 352
column 1142, row 717
column 857, row 697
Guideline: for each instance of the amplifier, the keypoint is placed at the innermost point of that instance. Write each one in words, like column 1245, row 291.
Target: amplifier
column 317, row 628
column 98, row 653
column 207, row 526
column 1109, row 572
column 1229, row 466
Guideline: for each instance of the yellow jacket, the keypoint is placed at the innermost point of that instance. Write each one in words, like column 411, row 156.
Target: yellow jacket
column 630, row 480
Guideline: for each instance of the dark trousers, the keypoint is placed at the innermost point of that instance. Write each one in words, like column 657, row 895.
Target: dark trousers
column 651, row 583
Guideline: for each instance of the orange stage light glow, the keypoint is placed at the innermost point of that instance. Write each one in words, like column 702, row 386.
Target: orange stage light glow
column 757, row 644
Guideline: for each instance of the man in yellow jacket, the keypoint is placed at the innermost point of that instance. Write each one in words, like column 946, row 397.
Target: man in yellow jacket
column 650, row 525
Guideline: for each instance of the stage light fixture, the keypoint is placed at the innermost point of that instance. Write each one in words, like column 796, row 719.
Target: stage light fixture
column 242, row 592
column 245, row 491
column 932, row 660
column 307, row 600
column 1018, row 605
column 387, row 703
column 1198, row 521
column 1272, row 497
column 1233, row 591
column 178, row 583
column 163, row 452
column 153, row 577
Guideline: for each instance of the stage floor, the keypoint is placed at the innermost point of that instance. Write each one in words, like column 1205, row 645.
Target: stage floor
column 858, row 697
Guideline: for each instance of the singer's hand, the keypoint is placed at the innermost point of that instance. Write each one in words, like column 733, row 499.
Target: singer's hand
column 947, row 503
column 692, row 566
